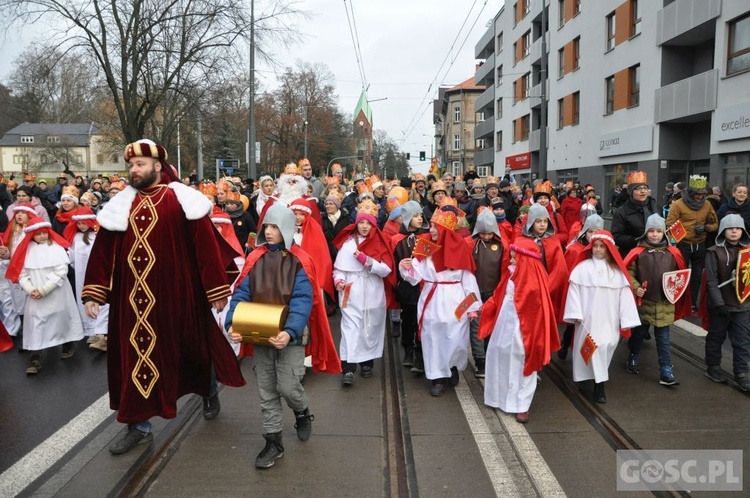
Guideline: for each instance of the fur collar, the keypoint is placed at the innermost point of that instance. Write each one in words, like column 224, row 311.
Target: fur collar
column 114, row 214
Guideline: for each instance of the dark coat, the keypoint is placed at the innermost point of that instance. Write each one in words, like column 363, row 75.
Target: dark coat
column 629, row 223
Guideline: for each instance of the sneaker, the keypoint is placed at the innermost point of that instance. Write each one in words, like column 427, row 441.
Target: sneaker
column 418, row 367
column 211, row 407
column 272, row 451
column 454, row 376
column 130, row 440
column 365, row 371
column 303, row 424
column 716, row 374
column 408, row 358
column 68, row 350
column 438, row 387
column 633, row 363
column 347, row 379
column 100, row 343
column 743, row 381
column 479, row 368
column 35, row 364
column 666, row 376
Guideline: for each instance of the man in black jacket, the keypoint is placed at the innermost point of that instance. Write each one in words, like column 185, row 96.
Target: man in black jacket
column 629, row 220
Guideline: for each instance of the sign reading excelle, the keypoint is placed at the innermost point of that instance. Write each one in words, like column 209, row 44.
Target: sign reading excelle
column 730, row 123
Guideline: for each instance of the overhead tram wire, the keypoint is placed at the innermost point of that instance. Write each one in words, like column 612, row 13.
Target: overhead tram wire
column 413, row 123
column 355, row 44
column 359, row 49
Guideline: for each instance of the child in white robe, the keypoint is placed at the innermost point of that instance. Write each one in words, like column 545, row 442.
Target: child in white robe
column 601, row 304
column 40, row 266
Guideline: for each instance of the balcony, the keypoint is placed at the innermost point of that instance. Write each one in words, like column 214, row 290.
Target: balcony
column 686, row 22
column 485, row 157
column 486, row 44
column 485, row 128
column 687, row 100
column 535, row 140
column 486, row 72
column 486, row 99
column 536, row 8
column 536, row 49
column 535, row 97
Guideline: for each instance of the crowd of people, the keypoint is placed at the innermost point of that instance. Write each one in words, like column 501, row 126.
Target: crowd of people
column 463, row 268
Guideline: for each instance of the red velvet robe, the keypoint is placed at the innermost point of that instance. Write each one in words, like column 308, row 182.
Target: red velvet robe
column 159, row 277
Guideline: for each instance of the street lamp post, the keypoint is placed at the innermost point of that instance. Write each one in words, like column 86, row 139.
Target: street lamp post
column 305, row 155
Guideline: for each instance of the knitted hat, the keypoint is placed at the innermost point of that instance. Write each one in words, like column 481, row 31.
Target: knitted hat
column 497, row 202
column 486, row 223
column 732, row 221
column 283, row 218
column 408, row 211
column 536, row 212
column 335, row 198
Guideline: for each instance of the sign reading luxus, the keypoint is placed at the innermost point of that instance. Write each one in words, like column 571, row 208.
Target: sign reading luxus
column 628, row 141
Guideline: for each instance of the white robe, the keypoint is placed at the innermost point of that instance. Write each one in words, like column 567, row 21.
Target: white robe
column 53, row 319
column 221, row 317
column 600, row 302
column 445, row 339
column 363, row 317
column 12, row 297
column 79, row 259
column 505, row 385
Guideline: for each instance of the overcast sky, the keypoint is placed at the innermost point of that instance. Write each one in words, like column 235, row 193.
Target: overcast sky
column 403, row 44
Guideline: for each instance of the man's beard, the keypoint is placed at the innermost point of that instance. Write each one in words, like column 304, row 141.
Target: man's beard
column 144, row 181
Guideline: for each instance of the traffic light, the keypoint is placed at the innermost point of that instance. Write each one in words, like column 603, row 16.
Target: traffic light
column 421, row 155
column 408, row 156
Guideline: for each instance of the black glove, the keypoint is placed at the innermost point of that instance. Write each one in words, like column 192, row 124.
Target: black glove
column 724, row 310
column 700, row 228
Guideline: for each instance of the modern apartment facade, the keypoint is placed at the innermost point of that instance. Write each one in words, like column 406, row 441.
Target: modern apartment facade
column 455, row 119
column 661, row 86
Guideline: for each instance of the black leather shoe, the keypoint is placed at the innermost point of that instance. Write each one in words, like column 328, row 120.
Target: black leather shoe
column 599, row 395
column 454, row 376
column 211, row 407
column 132, row 438
column 438, row 388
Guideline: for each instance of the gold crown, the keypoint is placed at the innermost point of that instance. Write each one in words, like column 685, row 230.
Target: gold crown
column 223, row 185
column 637, row 177
column 70, row 190
column 419, row 177
column 698, row 182
column 493, row 179
column 543, row 188
column 445, row 219
column 438, row 186
column 208, row 188
column 29, row 178
column 233, row 195
column 368, row 207
column 451, row 201
column 391, row 204
column 291, row 169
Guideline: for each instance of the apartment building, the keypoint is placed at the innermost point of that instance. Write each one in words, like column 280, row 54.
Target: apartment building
column 661, row 86
column 455, row 119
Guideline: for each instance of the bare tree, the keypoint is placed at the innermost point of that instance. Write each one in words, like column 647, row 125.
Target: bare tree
column 156, row 56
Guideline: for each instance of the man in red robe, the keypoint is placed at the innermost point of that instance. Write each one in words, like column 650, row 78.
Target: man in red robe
column 159, row 264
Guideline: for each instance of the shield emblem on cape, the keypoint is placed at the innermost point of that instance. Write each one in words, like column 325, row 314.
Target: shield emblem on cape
column 742, row 283
column 675, row 283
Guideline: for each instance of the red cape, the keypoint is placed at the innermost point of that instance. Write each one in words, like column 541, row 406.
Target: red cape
column 391, row 227
column 320, row 347
column 6, row 341
column 453, row 252
column 536, row 312
column 682, row 307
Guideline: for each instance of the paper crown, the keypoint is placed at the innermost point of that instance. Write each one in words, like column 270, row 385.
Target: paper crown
column 543, row 188
column 698, row 182
column 291, row 169
column 493, row 179
column 114, row 178
column 637, row 177
column 70, row 190
column 451, row 201
column 29, row 178
column 336, row 167
column 233, row 195
column 223, row 185
column 391, row 204
column 438, row 186
column 207, row 187
column 363, row 187
column 419, row 177
column 368, row 207
column 445, row 219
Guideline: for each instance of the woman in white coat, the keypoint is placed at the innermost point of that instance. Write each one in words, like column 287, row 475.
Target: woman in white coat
column 363, row 261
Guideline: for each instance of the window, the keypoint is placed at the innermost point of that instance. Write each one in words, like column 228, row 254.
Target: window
column 515, row 53
column 560, row 113
column 526, row 85
column 738, row 58
column 17, row 159
column 499, row 140
column 576, row 52
column 576, row 108
column 610, row 32
column 561, row 13
column 42, row 158
column 609, row 85
column 480, row 144
column 526, row 43
column 483, row 171
column 515, row 13
column 479, row 117
column 577, row 6
column 499, row 113
column 635, row 10
column 561, row 62
column 456, row 114
column 53, row 140
column 456, row 141
column 100, row 159
column 525, row 123
column 526, row 7
column 27, row 140
column 499, row 43
column 634, row 79
column 499, row 77
column 115, row 158
column 456, row 168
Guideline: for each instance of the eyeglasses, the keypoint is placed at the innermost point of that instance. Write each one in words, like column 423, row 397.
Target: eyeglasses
column 641, row 189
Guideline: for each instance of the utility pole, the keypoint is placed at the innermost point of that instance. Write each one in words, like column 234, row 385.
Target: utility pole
column 543, row 121
column 251, row 166
column 200, row 147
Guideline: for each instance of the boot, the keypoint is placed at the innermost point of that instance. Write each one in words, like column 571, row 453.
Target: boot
column 395, row 329
column 418, row 367
column 408, row 358
column 211, row 407
column 303, row 424
column 633, row 363
column 479, row 368
column 273, row 451
column 599, row 395
column 454, row 378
